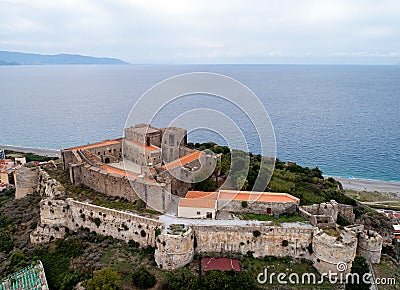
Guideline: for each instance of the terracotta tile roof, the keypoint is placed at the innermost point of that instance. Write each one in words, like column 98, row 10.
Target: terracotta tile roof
column 197, row 202
column 183, row 160
column 150, row 148
column 256, row 196
column 202, row 194
column 221, row 264
column 98, row 144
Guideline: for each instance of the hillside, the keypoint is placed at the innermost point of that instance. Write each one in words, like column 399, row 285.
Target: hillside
column 20, row 58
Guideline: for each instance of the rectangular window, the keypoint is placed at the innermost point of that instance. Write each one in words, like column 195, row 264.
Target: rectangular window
column 198, row 213
column 269, row 210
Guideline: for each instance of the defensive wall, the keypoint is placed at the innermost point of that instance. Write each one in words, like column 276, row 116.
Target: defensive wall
column 58, row 216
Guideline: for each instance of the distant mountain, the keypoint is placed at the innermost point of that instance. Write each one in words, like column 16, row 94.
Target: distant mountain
column 21, row 58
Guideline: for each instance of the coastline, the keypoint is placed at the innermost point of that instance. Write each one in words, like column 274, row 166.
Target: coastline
column 359, row 184
column 37, row 151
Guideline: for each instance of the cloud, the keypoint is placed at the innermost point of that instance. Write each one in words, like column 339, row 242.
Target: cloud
column 204, row 31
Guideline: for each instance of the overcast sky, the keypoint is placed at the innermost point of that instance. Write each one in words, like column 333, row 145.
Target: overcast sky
column 207, row 31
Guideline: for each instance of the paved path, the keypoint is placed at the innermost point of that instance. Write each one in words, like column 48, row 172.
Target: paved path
column 168, row 220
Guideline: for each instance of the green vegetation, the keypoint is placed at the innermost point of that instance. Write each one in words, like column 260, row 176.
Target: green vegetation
column 143, row 278
column 285, row 218
column 341, row 221
column 31, row 156
column 361, row 267
column 211, row 280
column 305, row 183
column 332, row 232
column 105, row 279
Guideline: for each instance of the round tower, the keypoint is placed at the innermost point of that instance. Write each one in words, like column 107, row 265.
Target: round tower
column 175, row 248
column 333, row 251
column 370, row 246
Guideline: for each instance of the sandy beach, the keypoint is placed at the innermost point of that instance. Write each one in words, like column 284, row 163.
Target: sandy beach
column 359, row 184
column 38, row 151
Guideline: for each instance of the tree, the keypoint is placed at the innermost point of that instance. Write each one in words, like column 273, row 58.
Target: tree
column 105, row 279
column 361, row 267
column 143, row 278
column 181, row 279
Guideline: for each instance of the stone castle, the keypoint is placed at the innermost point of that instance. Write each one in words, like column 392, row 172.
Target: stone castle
column 177, row 240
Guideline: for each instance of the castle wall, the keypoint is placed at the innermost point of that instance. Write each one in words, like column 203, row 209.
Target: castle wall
column 102, row 181
column 174, row 251
column 172, row 139
column 261, row 240
column 111, row 151
column 73, row 215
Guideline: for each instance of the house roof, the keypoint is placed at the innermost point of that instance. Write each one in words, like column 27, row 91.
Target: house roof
column 202, row 194
column 197, row 202
column 199, row 199
column 98, row 144
column 256, row 196
column 221, row 264
column 183, row 160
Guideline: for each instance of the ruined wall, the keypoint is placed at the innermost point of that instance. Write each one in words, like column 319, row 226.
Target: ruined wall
column 346, row 211
column 329, row 251
column 370, row 246
column 26, row 180
column 73, row 215
column 108, row 153
column 174, row 250
column 102, row 181
column 45, row 234
column 325, row 208
column 261, row 240
column 46, row 186
column 323, row 215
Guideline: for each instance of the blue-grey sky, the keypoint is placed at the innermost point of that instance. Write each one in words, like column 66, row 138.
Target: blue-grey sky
column 207, row 31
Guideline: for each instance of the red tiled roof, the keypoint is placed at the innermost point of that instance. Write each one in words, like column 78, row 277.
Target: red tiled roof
column 199, row 199
column 197, row 202
column 256, row 196
column 221, row 264
column 183, row 160
column 98, row 144
column 201, row 194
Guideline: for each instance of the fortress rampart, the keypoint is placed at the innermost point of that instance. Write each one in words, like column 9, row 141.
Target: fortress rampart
column 72, row 214
column 173, row 250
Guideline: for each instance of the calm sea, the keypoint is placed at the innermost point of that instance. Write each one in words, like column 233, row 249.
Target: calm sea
column 343, row 119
